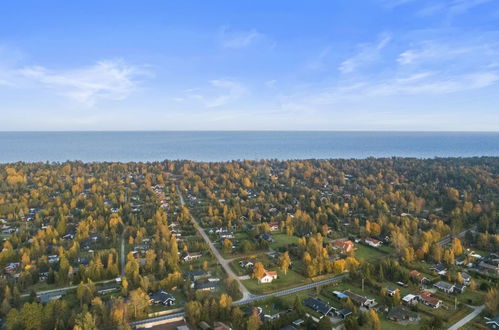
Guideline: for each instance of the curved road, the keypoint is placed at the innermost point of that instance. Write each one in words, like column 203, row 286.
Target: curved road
column 248, row 297
column 252, row 299
column 467, row 318
column 221, row 260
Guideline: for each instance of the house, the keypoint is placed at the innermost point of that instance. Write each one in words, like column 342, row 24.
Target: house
column 174, row 226
column 414, row 274
column 221, row 326
column 250, row 310
column 53, row 259
column 12, row 267
column 51, row 296
column 340, row 295
column 444, row 286
column 426, row 298
column 197, row 274
column 225, row 235
column 246, row 264
column 288, row 327
column 188, row 257
column 391, row 291
column 344, row 313
column 459, row 288
column 399, row 313
column 107, row 289
column 466, row 278
column 360, row 300
column 493, row 323
column 204, row 326
column 488, row 268
column 69, row 236
column 266, row 237
column 271, row 317
column 274, row 226
column 439, row 269
column 274, row 254
column 298, row 322
column 373, row 242
column 344, row 246
column 410, row 299
column 459, row 261
column 162, row 297
column 6, row 230
column 43, row 276
column 207, row 286
column 319, row 306
column 215, row 230
column 268, row 277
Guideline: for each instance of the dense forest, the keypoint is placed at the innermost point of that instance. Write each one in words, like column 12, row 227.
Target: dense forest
column 86, row 226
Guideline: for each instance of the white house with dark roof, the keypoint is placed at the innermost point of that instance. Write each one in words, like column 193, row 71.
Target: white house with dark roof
column 162, row 297
column 444, row 286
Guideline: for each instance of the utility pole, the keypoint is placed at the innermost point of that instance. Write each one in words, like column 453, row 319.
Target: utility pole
column 362, row 284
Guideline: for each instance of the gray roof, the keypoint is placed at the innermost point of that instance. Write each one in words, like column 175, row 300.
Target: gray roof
column 318, row 305
column 161, row 296
column 444, row 285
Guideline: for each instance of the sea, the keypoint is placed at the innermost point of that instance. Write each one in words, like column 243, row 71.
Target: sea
column 147, row 146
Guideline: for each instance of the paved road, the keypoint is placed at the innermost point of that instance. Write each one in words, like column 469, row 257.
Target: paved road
column 467, row 318
column 247, row 296
column 122, row 253
column 449, row 238
column 253, row 298
column 224, row 262
column 66, row 288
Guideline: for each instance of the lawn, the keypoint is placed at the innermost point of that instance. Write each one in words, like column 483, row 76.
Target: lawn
column 368, row 253
column 290, row 280
column 477, row 323
column 390, row 325
column 474, row 298
column 234, row 265
column 282, row 240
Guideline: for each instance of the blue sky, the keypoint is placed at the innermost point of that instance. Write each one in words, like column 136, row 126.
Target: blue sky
column 217, row 65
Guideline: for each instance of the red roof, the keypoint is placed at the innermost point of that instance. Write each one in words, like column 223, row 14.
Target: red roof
column 268, row 273
column 414, row 273
column 375, row 241
column 426, row 296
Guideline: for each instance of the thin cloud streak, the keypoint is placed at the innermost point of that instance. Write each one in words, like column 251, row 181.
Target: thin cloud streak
column 111, row 80
column 368, row 53
column 239, row 39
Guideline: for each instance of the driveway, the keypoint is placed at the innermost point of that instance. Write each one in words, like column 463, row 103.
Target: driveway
column 467, row 318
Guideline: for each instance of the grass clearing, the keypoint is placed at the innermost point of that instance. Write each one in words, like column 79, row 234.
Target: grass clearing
column 282, row 240
column 368, row 253
column 290, row 280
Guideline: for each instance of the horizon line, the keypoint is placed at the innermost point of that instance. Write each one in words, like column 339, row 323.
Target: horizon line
column 247, row 130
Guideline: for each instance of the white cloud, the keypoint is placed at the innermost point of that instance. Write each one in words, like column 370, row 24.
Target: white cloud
column 368, row 53
column 110, row 79
column 317, row 63
column 220, row 92
column 395, row 3
column 450, row 8
column 432, row 51
column 432, row 84
column 462, row 6
column 271, row 83
column 232, row 91
column 239, row 39
column 422, row 84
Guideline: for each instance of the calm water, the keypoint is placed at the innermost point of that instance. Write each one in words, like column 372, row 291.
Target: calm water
column 220, row 146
